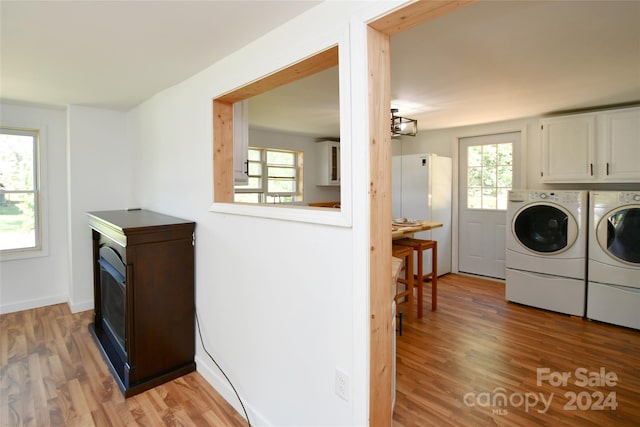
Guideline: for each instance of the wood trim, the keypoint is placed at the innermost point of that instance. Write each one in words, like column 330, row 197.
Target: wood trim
column 222, row 151
column 378, row 36
column 416, row 13
column 380, row 352
column 307, row 67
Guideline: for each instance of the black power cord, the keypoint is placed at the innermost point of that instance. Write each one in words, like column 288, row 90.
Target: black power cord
column 223, row 373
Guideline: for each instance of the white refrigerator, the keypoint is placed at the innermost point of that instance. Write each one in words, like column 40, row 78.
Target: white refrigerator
column 421, row 189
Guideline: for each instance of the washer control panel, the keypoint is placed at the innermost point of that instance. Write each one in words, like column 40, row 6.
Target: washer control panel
column 555, row 196
column 628, row 197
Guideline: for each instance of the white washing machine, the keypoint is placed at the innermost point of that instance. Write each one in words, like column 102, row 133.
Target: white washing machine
column 546, row 249
column 614, row 258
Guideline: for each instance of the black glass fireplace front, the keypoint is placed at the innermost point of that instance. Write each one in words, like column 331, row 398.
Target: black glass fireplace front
column 113, row 296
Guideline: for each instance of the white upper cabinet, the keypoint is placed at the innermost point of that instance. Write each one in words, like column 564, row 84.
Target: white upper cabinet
column 329, row 163
column 619, row 131
column 568, row 148
column 240, row 142
column 602, row 146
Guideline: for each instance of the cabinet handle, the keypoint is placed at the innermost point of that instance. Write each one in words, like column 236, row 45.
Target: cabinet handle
column 246, row 167
column 607, row 168
column 591, row 168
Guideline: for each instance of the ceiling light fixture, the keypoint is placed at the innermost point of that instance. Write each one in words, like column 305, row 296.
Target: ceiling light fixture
column 402, row 125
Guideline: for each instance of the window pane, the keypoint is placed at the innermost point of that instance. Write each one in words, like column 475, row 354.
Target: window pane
column 255, row 182
column 474, row 177
column 505, row 177
column 254, row 155
column 281, row 186
column 255, row 168
column 247, row 197
column 489, row 177
column 16, row 162
column 489, row 155
column 17, row 221
column 281, row 158
column 474, row 198
column 276, row 172
column 474, row 155
column 505, row 156
column 489, row 198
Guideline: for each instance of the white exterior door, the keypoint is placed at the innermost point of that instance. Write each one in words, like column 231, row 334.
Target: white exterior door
column 489, row 168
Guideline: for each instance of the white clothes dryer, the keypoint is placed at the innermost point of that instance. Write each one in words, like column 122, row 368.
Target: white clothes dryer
column 546, row 249
column 614, row 258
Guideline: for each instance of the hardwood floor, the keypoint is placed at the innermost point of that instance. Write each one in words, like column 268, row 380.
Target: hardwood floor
column 476, row 348
column 453, row 365
column 52, row 374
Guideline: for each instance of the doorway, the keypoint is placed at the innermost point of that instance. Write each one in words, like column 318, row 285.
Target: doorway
column 379, row 82
column 489, row 166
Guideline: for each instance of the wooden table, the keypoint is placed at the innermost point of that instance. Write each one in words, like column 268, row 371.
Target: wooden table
column 399, row 230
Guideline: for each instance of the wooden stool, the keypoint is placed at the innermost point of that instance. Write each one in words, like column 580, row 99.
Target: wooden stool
column 406, row 253
column 420, row 245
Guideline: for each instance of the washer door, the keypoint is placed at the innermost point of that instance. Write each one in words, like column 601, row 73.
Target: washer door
column 618, row 234
column 544, row 228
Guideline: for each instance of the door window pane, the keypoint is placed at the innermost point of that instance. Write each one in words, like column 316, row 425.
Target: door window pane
column 489, row 175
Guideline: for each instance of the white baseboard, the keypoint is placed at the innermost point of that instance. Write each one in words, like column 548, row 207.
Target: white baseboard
column 32, row 303
column 208, row 370
column 81, row 306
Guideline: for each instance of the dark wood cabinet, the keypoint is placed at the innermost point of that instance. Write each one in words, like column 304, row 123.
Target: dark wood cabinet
column 144, row 310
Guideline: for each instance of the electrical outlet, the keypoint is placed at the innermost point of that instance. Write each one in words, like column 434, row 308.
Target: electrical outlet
column 342, row 385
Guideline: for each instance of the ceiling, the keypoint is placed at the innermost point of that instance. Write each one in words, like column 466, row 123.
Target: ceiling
column 116, row 54
column 487, row 62
column 490, row 61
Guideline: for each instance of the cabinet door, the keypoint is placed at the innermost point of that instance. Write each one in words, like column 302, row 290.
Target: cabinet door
column 162, row 300
column 620, row 136
column 329, row 163
column 568, row 148
column 240, row 141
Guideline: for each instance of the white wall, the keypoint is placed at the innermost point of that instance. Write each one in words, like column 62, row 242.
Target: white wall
column 43, row 280
column 99, row 178
column 87, row 166
column 281, row 303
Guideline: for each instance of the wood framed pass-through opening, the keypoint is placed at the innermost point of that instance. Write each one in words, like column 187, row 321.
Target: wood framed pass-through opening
column 223, row 180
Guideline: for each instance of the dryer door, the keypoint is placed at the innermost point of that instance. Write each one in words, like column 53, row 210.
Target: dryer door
column 545, row 228
column 619, row 234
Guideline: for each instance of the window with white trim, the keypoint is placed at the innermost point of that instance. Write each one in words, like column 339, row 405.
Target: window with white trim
column 19, row 192
column 275, row 176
